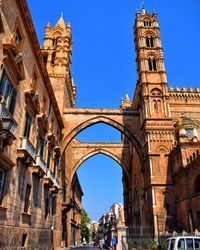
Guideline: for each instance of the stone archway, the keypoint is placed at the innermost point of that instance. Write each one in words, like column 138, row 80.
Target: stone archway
column 119, row 152
column 76, row 120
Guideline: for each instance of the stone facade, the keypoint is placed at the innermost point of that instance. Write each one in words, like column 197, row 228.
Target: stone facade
column 31, row 173
column 40, row 194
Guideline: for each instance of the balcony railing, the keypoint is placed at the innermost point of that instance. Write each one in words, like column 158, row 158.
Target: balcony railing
column 27, row 147
column 40, row 164
column 8, row 125
column 55, row 183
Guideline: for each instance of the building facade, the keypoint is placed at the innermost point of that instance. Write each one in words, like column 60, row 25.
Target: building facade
column 40, row 194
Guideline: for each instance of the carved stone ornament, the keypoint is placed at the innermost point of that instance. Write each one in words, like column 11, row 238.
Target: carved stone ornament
column 13, row 58
column 43, row 122
column 32, row 100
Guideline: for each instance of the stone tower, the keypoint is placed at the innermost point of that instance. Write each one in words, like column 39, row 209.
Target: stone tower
column 152, row 99
column 57, row 53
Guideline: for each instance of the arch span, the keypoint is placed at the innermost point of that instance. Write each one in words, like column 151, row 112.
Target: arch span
column 104, row 152
column 119, row 124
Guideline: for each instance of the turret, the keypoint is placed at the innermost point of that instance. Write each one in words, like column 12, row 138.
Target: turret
column 152, row 80
column 57, row 52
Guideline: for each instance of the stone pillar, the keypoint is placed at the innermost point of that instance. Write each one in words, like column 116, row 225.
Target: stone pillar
column 121, row 232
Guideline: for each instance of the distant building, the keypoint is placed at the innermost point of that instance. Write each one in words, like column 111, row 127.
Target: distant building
column 111, row 223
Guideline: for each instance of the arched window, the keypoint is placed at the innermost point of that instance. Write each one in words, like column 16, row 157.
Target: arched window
column 197, row 185
column 149, row 42
column 147, row 23
column 53, row 58
column 152, row 64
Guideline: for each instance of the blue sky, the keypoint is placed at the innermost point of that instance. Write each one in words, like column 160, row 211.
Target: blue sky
column 104, row 69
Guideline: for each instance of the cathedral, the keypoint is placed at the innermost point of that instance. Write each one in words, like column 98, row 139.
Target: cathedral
column 40, row 193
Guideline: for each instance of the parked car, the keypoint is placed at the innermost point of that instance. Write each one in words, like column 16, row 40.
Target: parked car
column 182, row 243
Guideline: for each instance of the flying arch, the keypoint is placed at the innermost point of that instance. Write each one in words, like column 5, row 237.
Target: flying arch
column 106, row 120
column 104, row 152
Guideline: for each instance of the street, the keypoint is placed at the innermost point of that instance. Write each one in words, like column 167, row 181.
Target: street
column 86, row 248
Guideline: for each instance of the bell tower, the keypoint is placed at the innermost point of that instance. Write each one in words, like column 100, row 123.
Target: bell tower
column 57, row 53
column 151, row 98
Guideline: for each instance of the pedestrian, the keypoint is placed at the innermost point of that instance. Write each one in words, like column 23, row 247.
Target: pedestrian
column 114, row 242
column 101, row 243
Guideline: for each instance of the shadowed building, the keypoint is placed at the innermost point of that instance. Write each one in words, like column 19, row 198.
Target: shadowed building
column 40, row 194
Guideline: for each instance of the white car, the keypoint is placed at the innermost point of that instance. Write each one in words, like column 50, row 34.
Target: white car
column 182, row 243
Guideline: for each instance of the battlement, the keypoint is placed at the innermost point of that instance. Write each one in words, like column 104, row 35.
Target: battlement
column 177, row 94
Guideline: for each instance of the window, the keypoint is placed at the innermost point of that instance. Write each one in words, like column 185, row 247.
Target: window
column 24, row 237
column 54, row 166
column 152, row 64
column 2, row 177
column 49, row 157
column 189, row 244
column 45, row 58
column 18, row 37
column 8, row 92
column 172, row 244
column 53, row 203
column 197, row 244
column 189, row 133
column 149, row 42
column 1, row 25
column 53, row 58
column 27, row 125
column 166, row 245
column 181, row 244
column 197, row 185
column 27, row 198
column 54, row 41
column 147, row 23
column 46, row 195
column 40, row 145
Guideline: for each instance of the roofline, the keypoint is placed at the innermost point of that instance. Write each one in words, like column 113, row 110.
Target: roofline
column 38, row 54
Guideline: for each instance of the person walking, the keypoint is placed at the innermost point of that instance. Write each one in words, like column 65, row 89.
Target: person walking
column 114, row 242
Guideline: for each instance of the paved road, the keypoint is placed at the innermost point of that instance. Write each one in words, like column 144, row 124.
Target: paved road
column 86, row 248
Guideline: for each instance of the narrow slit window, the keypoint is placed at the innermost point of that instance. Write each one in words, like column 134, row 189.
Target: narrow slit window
column 2, row 178
column 53, row 58
column 154, row 64
column 27, row 198
column 27, row 126
column 24, row 238
column 151, row 42
column 147, row 42
column 150, row 64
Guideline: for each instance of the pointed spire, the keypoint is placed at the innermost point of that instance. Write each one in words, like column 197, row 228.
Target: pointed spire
column 127, row 99
column 61, row 22
column 143, row 9
column 48, row 26
column 125, row 102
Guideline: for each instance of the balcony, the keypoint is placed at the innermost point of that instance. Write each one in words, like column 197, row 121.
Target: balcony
column 40, row 167
column 8, row 126
column 49, row 178
column 26, row 151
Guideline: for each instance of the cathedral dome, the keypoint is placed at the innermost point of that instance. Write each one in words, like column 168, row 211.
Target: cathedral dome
column 185, row 122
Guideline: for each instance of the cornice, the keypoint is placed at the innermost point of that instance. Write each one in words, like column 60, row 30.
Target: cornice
column 38, row 54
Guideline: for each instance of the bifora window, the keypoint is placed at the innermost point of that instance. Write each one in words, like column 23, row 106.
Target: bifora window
column 149, row 42
column 7, row 92
column 147, row 23
column 2, row 177
column 152, row 64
